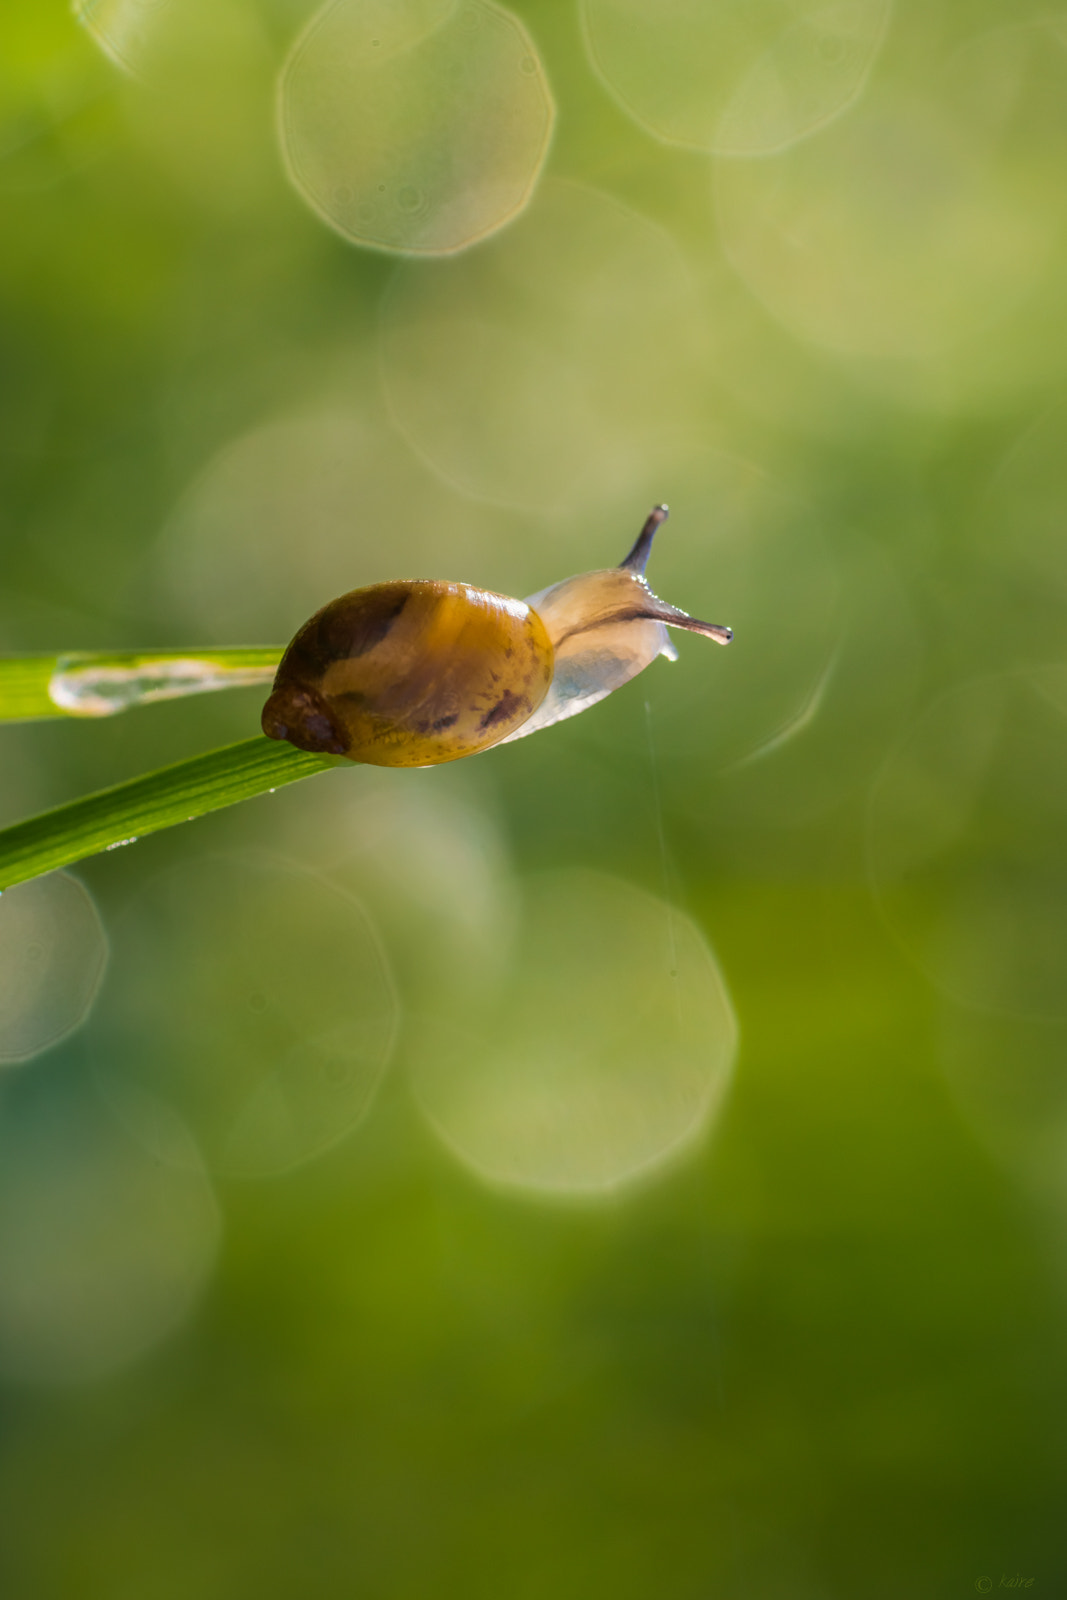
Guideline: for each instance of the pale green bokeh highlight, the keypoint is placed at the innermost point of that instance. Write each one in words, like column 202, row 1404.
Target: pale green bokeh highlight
column 414, row 125
column 265, row 1013
column 578, row 1089
column 434, row 870
column 126, row 30
column 1020, row 528
column 53, row 955
column 539, row 371
column 104, row 1249
column 301, row 509
column 972, row 803
column 731, row 77
column 200, row 97
column 921, row 224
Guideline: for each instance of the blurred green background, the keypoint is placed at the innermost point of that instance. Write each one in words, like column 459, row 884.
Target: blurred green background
column 631, row 1163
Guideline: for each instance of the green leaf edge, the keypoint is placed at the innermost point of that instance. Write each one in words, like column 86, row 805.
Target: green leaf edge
column 160, row 799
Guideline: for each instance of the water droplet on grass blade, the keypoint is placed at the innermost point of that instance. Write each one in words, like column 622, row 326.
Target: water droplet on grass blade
column 108, row 684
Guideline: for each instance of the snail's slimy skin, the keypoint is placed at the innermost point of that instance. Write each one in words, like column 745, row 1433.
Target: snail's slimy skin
column 411, row 674
column 605, row 628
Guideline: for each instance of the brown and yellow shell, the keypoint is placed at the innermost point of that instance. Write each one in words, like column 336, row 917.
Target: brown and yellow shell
column 410, row 674
column 413, row 673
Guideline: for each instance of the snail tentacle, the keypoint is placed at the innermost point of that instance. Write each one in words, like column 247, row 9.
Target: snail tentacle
column 637, row 560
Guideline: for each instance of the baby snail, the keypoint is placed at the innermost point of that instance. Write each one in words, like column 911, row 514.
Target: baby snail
column 416, row 672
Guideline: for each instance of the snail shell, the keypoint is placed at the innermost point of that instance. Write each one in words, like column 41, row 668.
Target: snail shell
column 410, row 674
column 414, row 673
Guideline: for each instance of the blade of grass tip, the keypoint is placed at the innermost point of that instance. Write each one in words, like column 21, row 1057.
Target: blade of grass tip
column 24, row 684
column 83, row 684
column 145, row 805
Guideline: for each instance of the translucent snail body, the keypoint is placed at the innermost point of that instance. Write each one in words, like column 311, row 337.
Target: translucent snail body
column 417, row 672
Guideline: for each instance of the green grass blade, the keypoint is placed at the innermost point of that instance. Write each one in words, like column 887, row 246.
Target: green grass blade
column 24, row 684
column 84, row 684
column 144, row 805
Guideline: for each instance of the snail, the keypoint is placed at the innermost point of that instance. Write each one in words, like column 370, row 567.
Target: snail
column 416, row 672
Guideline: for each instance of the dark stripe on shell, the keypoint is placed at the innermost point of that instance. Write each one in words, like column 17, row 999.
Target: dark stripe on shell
column 506, row 707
